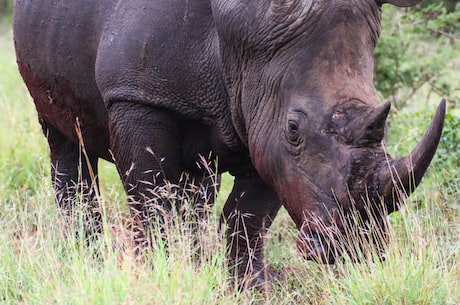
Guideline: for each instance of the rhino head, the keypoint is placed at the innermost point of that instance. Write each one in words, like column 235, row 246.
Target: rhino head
column 300, row 78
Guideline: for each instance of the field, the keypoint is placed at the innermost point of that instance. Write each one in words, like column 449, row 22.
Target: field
column 40, row 264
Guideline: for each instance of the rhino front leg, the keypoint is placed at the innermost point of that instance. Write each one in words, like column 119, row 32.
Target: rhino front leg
column 249, row 212
column 74, row 181
column 145, row 142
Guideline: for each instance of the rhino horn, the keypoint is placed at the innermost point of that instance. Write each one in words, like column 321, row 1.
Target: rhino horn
column 373, row 127
column 401, row 3
column 368, row 127
column 404, row 174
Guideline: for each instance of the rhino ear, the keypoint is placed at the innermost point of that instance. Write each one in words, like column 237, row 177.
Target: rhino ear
column 401, row 3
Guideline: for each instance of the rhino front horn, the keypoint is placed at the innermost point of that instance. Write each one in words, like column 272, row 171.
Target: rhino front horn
column 404, row 174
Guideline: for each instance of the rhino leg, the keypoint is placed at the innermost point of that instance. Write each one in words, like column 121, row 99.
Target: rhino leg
column 145, row 142
column 249, row 212
column 74, row 181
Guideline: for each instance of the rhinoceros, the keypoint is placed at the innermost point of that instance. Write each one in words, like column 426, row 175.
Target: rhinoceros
column 280, row 92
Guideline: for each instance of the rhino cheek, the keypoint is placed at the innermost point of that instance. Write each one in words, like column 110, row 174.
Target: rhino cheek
column 305, row 203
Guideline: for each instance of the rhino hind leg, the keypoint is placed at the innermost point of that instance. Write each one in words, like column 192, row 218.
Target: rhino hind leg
column 75, row 183
column 249, row 212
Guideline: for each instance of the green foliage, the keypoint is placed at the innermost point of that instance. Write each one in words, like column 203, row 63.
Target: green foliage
column 417, row 49
column 6, row 9
column 449, row 148
column 449, row 5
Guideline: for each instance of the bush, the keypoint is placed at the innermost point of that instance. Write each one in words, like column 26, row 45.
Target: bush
column 417, row 47
column 449, row 5
column 6, row 9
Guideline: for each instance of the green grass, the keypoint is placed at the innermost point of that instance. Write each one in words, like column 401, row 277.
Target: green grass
column 41, row 264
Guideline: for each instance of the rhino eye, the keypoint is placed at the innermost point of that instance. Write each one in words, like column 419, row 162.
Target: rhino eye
column 293, row 132
column 293, row 127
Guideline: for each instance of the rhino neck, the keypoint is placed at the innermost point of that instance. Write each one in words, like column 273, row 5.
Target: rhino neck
column 241, row 102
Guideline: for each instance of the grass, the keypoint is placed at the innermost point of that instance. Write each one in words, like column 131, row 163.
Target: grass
column 40, row 264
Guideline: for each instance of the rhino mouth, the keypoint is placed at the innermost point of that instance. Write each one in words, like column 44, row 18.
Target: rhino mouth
column 358, row 241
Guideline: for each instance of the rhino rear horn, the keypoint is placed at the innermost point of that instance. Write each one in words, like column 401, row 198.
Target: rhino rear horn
column 368, row 127
column 401, row 3
column 374, row 126
column 406, row 173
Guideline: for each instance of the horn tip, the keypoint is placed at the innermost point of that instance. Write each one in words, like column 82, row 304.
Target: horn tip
column 442, row 107
column 387, row 106
column 440, row 114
